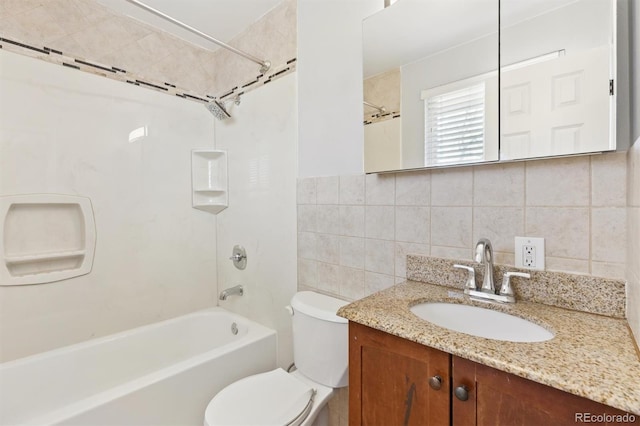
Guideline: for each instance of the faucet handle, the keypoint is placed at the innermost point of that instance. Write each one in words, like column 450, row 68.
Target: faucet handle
column 471, row 278
column 505, row 289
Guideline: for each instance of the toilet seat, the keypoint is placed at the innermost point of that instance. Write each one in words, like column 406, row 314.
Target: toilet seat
column 272, row 398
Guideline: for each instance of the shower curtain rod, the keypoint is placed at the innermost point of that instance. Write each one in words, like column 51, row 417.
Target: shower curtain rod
column 379, row 108
column 264, row 65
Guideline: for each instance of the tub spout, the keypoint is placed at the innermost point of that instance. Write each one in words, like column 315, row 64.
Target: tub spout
column 231, row 291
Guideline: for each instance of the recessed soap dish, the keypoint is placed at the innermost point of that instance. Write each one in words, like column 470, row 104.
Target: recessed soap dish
column 45, row 238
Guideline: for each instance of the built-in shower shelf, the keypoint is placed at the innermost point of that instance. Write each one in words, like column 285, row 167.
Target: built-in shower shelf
column 44, row 256
column 213, row 191
column 211, row 208
column 209, row 180
column 46, row 238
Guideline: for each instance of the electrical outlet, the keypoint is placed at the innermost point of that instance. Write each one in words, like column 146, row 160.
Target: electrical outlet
column 529, row 253
column 529, row 256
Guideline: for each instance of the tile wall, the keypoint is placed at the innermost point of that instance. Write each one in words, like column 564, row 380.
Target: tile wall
column 87, row 30
column 354, row 232
column 261, row 215
column 383, row 90
column 273, row 38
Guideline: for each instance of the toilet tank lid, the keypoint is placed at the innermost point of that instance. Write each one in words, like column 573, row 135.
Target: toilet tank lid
column 318, row 305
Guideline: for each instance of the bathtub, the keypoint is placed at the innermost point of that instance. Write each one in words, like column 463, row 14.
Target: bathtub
column 160, row 374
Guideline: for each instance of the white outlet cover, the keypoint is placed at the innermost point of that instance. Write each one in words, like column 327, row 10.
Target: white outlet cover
column 537, row 243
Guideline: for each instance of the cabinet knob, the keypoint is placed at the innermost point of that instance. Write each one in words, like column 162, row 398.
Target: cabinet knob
column 435, row 382
column 462, row 393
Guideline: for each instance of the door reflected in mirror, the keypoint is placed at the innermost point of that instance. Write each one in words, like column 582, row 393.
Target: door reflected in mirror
column 556, row 58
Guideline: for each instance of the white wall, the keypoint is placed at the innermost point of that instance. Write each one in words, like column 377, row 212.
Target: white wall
column 261, row 143
column 330, row 78
column 634, row 61
column 64, row 131
column 633, row 180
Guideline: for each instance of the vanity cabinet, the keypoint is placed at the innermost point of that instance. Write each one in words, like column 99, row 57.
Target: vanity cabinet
column 393, row 381
column 389, row 380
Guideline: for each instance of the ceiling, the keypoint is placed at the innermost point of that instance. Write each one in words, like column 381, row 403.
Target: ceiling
column 221, row 19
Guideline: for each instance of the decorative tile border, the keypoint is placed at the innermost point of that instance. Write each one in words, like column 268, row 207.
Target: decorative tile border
column 585, row 293
column 57, row 57
column 377, row 117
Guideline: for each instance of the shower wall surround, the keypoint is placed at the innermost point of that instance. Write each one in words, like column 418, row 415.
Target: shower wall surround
column 382, row 90
column 90, row 32
column 354, row 232
column 260, row 141
column 65, row 132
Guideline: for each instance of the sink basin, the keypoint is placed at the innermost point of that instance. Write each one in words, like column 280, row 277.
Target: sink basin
column 481, row 322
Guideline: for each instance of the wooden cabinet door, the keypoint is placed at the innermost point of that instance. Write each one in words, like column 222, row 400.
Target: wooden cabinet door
column 499, row 398
column 389, row 380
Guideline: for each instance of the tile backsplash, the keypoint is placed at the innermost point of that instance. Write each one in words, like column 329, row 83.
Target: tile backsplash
column 586, row 293
column 354, row 232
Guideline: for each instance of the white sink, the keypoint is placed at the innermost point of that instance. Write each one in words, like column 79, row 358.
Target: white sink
column 481, row 322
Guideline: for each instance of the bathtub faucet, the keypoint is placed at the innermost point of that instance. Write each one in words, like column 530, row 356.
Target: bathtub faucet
column 231, row 291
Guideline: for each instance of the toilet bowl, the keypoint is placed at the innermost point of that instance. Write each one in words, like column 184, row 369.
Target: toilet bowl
column 320, row 342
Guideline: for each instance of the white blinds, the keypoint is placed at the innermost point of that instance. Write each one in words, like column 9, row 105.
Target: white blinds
column 454, row 126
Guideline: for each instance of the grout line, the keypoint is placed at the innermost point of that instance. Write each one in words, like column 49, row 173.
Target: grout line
column 430, row 242
column 473, row 208
column 525, row 208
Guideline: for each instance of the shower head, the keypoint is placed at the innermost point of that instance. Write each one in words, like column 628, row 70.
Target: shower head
column 218, row 110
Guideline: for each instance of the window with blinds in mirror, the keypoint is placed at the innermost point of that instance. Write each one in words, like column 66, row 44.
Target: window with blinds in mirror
column 456, row 121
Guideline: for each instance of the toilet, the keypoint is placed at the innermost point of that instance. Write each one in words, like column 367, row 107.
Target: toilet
column 320, row 353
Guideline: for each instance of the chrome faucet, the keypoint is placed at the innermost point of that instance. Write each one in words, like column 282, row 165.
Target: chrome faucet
column 484, row 255
column 231, row 291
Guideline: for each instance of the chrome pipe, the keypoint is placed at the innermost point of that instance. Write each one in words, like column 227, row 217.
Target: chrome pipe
column 264, row 65
column 379, row 108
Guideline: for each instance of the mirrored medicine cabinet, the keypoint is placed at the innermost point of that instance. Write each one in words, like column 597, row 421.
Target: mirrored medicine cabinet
column 451, row 82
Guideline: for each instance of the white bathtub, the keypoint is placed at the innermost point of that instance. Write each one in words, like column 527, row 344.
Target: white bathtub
column 160, row 374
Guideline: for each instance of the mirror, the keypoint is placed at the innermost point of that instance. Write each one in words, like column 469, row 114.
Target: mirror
column 431, row 81
column 556, row 64
column 432, row 65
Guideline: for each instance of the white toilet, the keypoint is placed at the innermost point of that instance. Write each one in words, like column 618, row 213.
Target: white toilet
column 320, row 353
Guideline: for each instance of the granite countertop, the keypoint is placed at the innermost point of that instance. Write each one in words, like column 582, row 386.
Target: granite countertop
column 591, row 355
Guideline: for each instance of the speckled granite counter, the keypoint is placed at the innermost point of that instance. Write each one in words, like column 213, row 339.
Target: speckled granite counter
column 591, row 355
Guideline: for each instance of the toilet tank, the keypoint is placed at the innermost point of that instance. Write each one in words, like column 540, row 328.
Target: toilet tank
column 320, row 338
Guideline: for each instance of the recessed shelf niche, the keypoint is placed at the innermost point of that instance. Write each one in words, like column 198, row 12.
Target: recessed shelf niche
column 45, row 238
column 209, row 180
